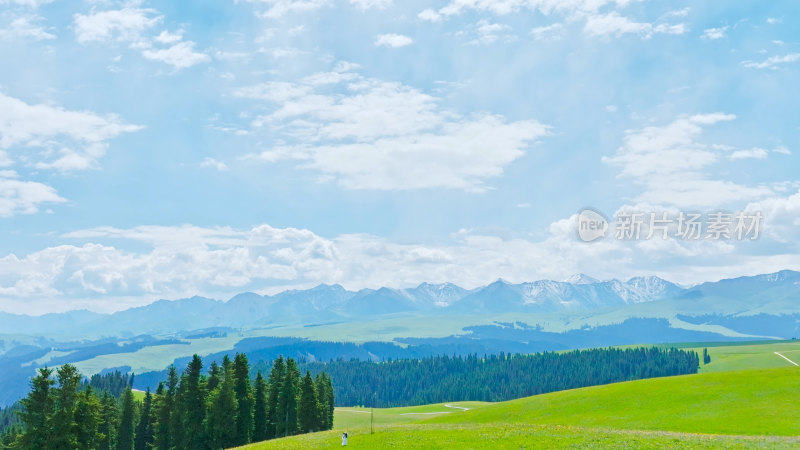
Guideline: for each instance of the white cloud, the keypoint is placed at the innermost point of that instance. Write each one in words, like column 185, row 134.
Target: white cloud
column 430, row 15
column 782, row 150
column 279, row 8
column 28, row 3
column 175, row 262
column 773, row 61
column 125, row 24
column 392, row 40
column 613, row 24
column 383, row 135
column 25, row 28
column 608, row 23
column 23, row 197
column 753, row 153
column 489, row 32
column 774, row 20
column 168, row 38
column 180, row 55
column 670, row 164
column 213, row 163
column 65, row 140
column 678, row 12
column 131, row 25
column 367, row 4
column 553, row 31
column 715, row 33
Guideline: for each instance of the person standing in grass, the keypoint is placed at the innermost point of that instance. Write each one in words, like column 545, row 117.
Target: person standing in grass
column 344, row 438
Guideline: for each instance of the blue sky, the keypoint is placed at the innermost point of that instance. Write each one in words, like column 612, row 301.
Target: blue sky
column 153, row 149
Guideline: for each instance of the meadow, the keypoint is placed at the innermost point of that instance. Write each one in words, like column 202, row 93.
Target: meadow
column 745, row 398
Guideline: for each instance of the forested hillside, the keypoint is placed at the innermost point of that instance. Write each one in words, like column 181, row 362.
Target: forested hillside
column 497, row 377
column 192, row 411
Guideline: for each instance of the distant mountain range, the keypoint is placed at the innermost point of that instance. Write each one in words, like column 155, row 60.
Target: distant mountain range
column 329, row 321
column 333, row 303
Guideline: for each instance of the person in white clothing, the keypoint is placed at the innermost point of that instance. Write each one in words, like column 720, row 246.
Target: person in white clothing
column 344, row 438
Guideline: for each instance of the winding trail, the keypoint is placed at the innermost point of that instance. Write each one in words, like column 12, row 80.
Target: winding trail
column 787, row 359
column 457, row 407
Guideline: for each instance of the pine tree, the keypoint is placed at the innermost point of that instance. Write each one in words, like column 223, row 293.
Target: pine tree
column 88, row 415
column 176, row 388
column 193, row 405
column 214, row 376
column 287, row 400
column 125, row 430
column 274, row 387
column 244, row 399
column 66, row 401
column 161, row 413
column 144, row 438
column 308, row 410
column 108, row 422
column 325, row 393
column 260, row 410
column 38, row 410
column 220, row 422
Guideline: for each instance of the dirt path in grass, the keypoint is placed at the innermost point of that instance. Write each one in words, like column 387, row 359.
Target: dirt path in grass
column 787, row 359
column 457, row 407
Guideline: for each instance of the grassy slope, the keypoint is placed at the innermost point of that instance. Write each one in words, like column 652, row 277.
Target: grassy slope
column 754, row 402
column 754, row 356
column 669, row 412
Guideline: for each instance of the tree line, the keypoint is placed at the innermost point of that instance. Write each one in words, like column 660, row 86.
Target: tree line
column 221, row 408
column 437, row 379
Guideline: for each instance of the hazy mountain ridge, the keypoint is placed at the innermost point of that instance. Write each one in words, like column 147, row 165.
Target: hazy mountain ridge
column 327, row 303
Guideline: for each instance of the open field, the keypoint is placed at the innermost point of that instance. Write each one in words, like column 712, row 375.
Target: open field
column 735, row 409
column 491, row 436
column 753, row 356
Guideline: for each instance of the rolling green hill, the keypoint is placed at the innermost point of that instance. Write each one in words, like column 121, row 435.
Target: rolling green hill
column 734, row 409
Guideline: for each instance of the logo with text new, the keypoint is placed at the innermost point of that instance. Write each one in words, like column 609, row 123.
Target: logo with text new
column 591, row 225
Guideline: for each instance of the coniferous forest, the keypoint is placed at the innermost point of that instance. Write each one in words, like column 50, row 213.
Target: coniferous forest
column 493, row 378
column 221, row 408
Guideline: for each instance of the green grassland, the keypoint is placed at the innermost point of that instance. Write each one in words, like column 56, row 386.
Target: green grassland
column 722, row 407
column 753, row 356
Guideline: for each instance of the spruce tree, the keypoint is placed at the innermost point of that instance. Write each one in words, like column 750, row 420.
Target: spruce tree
column 161, row 412
column 273, row 392
column 308, row 409
column 66, row 402
column 287, row 400
column 109, row 421
column 144, row 437
column 193, row 404
column 214, row 376
column 88, row 415
column 126, row 427
column 177, row 417
column 325, row 393
column 37, row 411
column 244, row 399
column 220, row 423
column 260, row 410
